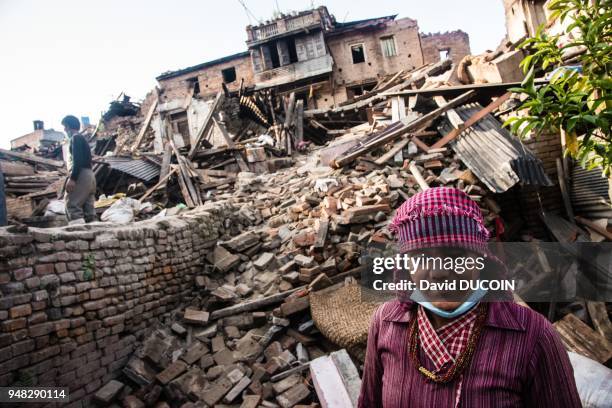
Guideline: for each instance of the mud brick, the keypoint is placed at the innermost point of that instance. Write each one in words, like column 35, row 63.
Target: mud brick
column 242, row 321
column 6, row 353
column 195, row 352
column 294, row 306
column 224, row 260
column 265, row 261
column 131, row 401
column 14, row 324
column 286, row 383
column 274, row 349
column 231, row 332
column 109, row 392
column 218, row 343
column 178, row 329
column 15, row 363
column 22, row 273
column 20, row 311
column 114, row 320
column 304, row 239
column 250, row 401
column 196, row 316
column 171, row 372
column 217, row 391
column 5, row 339
column 224, row 357
column 293, row 396
column 207, row 332
column 242, row 241
column 44, row 269
column 215, row 372
column 44, row 354
column 259, row 318
column 304, row 261
column 207, row 361
column 38, row 317
column 22, row 298
column 237, row 389
column 288, row 267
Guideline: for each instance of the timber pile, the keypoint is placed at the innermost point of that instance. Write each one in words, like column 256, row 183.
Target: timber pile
column 30, row 180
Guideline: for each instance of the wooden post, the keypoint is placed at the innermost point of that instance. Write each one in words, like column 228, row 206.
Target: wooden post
column 145, row 126
column 418, row 176
column 563, row 186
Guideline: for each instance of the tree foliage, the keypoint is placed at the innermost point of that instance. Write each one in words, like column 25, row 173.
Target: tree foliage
column 577, row 99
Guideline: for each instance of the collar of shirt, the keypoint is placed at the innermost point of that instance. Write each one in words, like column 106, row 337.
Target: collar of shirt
column 442, row 346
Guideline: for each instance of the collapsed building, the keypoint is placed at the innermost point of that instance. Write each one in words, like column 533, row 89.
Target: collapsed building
column 246, row 201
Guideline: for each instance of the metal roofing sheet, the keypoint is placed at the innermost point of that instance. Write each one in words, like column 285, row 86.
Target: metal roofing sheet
column 492, row 153
column 139, row 168
column 589, row 193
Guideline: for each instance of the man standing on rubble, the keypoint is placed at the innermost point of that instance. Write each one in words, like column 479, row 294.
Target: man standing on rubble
column 81, row 184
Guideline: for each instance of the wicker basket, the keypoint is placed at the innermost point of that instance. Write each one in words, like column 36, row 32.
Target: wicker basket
column 342, row 317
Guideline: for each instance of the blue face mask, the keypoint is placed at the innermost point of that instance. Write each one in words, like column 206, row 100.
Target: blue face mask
column 471, row 301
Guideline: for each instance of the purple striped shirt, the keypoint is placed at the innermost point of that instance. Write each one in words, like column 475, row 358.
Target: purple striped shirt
column 519, row 362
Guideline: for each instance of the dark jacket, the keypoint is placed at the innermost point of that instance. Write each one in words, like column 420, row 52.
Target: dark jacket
column 81, row 155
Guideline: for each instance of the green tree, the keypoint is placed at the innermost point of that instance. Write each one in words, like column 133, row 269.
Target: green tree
column 577, row 101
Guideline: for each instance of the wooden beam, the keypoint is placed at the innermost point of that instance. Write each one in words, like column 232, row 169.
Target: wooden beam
column 472, row 120
column 401, row 128
column 588, row 223
column 30, row 158
column 396, row 148
column 418, row 176
column 185, row 183
column 577, row 336
column 420, row 144
column 230, row 143
column 206, row 125
column 161, row 182
column 145, row 125
column 564, row 193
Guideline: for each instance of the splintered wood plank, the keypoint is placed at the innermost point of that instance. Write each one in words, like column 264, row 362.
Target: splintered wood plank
column 162, row 181
column 578, row 337
column 472, row 120
column 206, row 125
column 396, row 148
column 145, row 125
column 601, row 321
column 30, row 158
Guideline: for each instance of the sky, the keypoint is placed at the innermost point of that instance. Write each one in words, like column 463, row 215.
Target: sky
column 73, row 57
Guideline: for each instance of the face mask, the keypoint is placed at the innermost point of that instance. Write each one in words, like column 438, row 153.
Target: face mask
column 471, row 301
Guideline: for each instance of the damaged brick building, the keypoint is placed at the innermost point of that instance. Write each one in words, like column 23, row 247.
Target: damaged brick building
column 323, row 61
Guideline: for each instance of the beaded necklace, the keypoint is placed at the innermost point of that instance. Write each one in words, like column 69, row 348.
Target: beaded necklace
column 464, row 357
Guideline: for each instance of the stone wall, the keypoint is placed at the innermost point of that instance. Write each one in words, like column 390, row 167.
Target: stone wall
column 76, row 299
column 456, row 42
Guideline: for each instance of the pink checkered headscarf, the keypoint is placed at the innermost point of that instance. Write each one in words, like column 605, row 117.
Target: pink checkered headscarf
column 437, row 217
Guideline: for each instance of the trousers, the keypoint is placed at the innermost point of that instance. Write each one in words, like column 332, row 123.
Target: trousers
column 80, row 202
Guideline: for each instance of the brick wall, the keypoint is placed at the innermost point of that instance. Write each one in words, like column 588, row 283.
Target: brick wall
column 457, row 42
column 547, row 148
column 210, row 79
column 75, row 299
column 407, row 45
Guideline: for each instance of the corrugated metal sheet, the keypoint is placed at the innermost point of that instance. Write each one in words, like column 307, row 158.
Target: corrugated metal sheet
column 589, row 193
column 494, row 155
column 140, row 168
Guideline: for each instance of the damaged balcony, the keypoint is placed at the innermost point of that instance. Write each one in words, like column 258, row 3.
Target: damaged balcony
column 294, row 72
column 288, row 25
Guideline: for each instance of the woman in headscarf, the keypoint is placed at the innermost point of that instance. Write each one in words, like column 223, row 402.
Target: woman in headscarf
column 467, row 351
